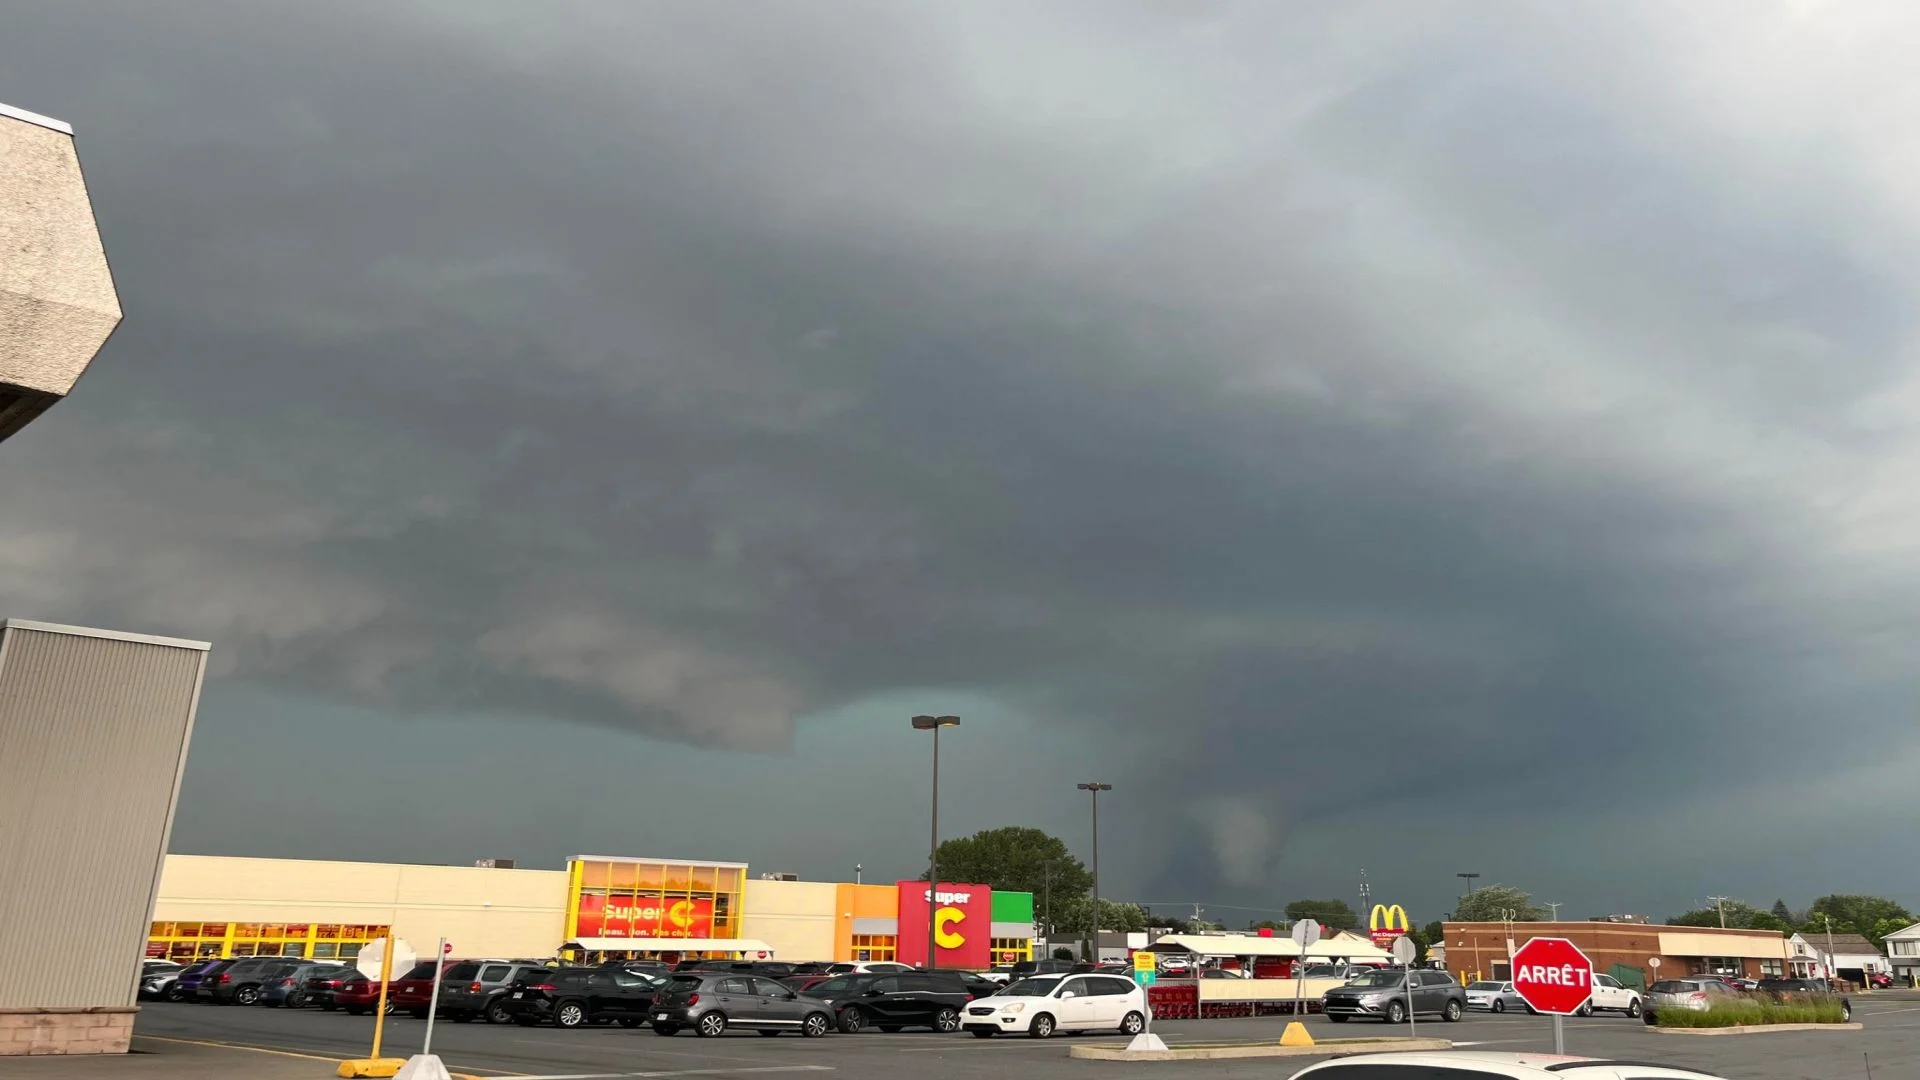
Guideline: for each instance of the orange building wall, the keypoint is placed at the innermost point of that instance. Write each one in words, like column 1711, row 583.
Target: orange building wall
column 861, row 902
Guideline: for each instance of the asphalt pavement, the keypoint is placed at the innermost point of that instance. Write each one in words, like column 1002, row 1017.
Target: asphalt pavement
column 1889, row 1045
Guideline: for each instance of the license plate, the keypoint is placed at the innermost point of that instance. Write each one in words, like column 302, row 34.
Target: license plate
column 659, row 1016
column 516, row 993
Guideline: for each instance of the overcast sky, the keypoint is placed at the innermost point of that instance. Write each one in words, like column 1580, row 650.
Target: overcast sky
column 1419, row 437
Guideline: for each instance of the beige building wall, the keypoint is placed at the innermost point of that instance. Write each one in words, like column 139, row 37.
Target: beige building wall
column 795, row 918
column 57, row 299
column 483, row 912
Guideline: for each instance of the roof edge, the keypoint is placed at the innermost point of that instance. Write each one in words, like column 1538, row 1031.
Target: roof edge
column 111, row 635
column 60, row 126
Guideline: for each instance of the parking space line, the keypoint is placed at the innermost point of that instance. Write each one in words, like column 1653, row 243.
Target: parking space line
column 680, row 1073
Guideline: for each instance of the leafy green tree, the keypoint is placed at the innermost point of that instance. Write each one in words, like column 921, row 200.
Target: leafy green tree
column 1018, row 859
column 1435, row 931
column 1782, row 912
column 1076, row 916
column 1739, row 915
column 1493, row 903
column 1863, row 915
column 1333, row 913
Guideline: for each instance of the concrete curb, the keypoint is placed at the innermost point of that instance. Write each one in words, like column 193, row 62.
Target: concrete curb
column 1754, row 1029
column 1094, row 1052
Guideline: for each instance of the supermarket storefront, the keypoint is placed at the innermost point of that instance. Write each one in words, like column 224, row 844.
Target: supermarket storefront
column 600, row 905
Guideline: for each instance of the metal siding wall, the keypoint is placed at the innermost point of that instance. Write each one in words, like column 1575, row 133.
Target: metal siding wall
column 93, row 735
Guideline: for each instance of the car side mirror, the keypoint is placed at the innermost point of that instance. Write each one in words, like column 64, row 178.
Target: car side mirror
column 790, row 996
column 1065, row 994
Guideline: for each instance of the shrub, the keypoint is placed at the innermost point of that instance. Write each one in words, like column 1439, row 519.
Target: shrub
column 1754, row 1012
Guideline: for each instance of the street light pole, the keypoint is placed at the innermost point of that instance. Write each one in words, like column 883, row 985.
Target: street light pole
column 1093, row 950
column 1469, row 879
column 934, row 724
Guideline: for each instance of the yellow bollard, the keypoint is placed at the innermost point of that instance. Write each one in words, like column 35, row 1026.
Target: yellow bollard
column 375, row 1065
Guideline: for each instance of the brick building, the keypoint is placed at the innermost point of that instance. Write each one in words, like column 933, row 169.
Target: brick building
column 1627, row 951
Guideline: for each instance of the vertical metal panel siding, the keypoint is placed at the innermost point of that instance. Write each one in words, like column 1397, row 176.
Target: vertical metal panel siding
column 92, row 735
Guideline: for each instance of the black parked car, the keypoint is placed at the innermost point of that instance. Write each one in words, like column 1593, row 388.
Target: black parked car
column 242, row 982
column 892, row 1001
column 1382, row 995
column 711, row 1002
column 1049, row 966
column 187, row 986
column 576, row 997
column 1805, row 990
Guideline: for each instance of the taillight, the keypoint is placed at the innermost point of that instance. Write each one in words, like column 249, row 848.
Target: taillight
column 225, row 979
column 474, row 989
column 286, row 982
column 541, row 986
column 1698, row 996
column 693, row 999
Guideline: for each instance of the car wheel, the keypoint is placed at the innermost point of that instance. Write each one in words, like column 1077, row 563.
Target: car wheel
column 246, row 995
column 1396, row 1012
column 1648, row 1017
column 1633, row 1008
column 984, row 1033
column 497, row 1013
column 173, row 993
column 852, row 1020
column 1846, row 1011
column 570, row 1014
column 666, row 1029
column 296, row 1001
column 1585, row 1009
column 816, row 1025
column 1452, row 1014
column 1499, row 1006
column 1041, row 1028
column 1133, row 1024
column 711, row 1025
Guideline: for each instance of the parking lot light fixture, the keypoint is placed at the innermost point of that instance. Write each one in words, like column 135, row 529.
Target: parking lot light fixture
column 934, row 724
column 1095, row 787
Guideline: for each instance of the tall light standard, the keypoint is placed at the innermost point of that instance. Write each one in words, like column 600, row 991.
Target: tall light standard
column 1469, row 878
column 1093, row 948
column 934, row 724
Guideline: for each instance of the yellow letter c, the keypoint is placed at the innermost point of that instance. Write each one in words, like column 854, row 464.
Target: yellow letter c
column 944, row 918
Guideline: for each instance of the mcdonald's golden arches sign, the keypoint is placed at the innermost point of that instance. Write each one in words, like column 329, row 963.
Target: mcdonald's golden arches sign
column 1386, row 922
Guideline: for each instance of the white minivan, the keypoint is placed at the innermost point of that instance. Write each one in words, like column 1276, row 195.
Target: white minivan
column 1044, row 1004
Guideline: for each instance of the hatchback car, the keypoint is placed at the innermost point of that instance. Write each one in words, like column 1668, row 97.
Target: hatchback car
column 359, row 996
column 1804, row 990
column 710, row 1003
column 1044, row 1004
column 411, row 993
column 1489, row 1065
column 1694, row 995
column 192, row 977
column 240, row 983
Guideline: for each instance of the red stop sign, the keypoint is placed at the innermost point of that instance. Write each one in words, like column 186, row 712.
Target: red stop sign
column 1552, row 975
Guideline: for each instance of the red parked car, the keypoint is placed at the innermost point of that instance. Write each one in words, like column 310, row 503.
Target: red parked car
column 413, row 992
column 323, row 985
column 360, row 995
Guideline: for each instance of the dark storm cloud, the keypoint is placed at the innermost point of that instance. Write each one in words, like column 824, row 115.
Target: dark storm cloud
column 1230, row 378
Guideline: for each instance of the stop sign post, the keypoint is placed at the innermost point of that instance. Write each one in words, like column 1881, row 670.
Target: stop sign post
column 1553, row 976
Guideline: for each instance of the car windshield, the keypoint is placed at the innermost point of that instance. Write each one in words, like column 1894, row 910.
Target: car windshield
column 1484, row 985
column 1377, row 978
column 1031, row 988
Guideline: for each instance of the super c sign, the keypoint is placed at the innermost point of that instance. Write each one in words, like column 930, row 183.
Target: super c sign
column 644, row 916
column 962, row 924
column 1386, row 923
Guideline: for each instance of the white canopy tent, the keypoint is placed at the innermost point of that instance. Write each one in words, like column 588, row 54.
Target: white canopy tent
column 1254, row 945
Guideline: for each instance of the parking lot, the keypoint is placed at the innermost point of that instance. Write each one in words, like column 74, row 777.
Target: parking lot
column 1890, row 1043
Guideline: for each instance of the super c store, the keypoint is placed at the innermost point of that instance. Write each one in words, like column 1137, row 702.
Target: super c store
column 598, row 905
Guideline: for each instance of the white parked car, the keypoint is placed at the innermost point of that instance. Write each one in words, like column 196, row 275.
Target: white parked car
column 1044, row 1004
column 1494, row 996
column 1608, row 993
column 867, row 967
column 1485, row 1065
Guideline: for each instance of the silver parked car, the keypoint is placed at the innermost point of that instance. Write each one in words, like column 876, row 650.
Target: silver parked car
column 712, row 1002
column 1492, row 996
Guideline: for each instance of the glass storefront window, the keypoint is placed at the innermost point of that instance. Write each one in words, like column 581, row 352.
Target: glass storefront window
column 186, row 941
column 874, row 946
column 654, row 900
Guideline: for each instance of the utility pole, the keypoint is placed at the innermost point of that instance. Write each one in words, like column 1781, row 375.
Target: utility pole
column 1095, row 788
column 1555, row 906
column 1721, row 903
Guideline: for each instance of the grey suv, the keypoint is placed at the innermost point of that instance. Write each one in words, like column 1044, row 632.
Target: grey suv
column 712, row 1002
column 240, row 983
column 1384, row 995
column 474, row 989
